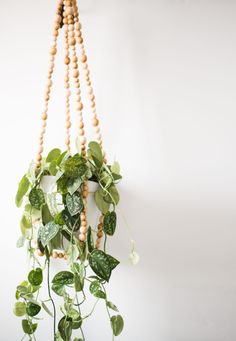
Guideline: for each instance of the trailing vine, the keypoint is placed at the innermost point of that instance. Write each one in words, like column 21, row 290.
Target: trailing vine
column 54, row 224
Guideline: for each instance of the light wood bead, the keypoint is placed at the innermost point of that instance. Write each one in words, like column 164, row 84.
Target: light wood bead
column 68, row 124
column 58, row 19
column 101, row 219
column 92, row 97
column 95, row 122
column 100, row 234
column 80, row 40
column 83, row 58
column 75, row 59
column 75, row 73
column 40, row 149
column 81, row 125
column 54, row 255
column 53, row 50
column 44, row 116
column 78, row 26
column 83, row 223
column 60, row 255
column 67, row 142
column 72, row 41
column 85, row 194
column 71, row 27
column 79, row 106
column 65, row 257
column 67, row 60
column 82, row 237
column 82, row 139
column 65, row 21
column 81, row 132
column 90, row 90
column 39, row 157
column 82, row 216
column 56, row 26
column 83, row 229
column 100, row 226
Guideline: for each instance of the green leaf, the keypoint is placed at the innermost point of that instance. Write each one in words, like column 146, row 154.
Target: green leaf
column 113, row 262
column 58, row 219
column 90, row 239
column 22, row 190
column 63, row 278
column 74, row 203
column 76, row 318
column 46, row 215
column 48, row 232
column 20, row 242
column 35, row 277
column 111, row 306
column 29, row 327
column 96, row 290
column 53, row 168
column 72, row 188
column 110, row 223
column 100, row 264
column 65, row 328
column 117, row 324
column 115, row 168
column 53, row 155
column 96, row 153
column 32, row 309
column 102, row 205
column 58, row 289
column 36, row 198
column 113, row 197
column 73, row 223
column 62, row 157
column 20, row 309
column 46, row 309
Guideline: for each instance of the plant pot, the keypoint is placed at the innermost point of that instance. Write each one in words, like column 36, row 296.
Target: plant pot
column 92, row 211
column 47, row 184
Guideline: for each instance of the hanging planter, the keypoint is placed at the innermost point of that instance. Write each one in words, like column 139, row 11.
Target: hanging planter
column 62, row 194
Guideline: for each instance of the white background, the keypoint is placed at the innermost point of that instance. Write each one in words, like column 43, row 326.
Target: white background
column 164, row 76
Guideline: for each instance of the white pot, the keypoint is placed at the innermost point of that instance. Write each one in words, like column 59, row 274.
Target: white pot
column 92, row 210
column 47, row 184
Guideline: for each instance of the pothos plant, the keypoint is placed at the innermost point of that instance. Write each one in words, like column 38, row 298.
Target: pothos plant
column 53, row 220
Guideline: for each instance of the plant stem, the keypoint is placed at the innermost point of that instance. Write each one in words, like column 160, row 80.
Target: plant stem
column 108, row 312
column 51, row 299
column 105, row 243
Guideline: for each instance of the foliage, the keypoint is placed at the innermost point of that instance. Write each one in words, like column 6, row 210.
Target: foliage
column 52, row 221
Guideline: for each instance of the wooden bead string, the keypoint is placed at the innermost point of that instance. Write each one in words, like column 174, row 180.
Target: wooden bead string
column 67, row 87
column 53, row 52
column 99, row 233
column 83, row 60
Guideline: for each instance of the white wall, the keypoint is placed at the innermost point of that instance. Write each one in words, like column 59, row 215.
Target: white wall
column 165, row 78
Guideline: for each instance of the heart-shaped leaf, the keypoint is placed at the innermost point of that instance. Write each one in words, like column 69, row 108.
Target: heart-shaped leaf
column 110, row 223
column 22, row 190
column 35, row 277
column 74, row 203
column 100, row 264
column 117, row 324
column 63, row 278
column 36, row 198
column 48, row 232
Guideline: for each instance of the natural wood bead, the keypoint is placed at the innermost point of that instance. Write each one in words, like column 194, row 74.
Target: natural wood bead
column 75, row 59
column 58, row 19
column 82, row 140
column 83, row 229
column 100, row 234
column 83, row 223
column 92, row 97
column 100, row 226
column 54, row 254
column 56, row 26
column 72, row 41
column 101, row 219
column 79, row 106
column 78, row 26
column 83, row 58
column 39, row 157
column 67, row 142
column 65, row 257
column 60, row 255
column 70, row 21
column 44, row 116
column 75, row 73
column 80, row 40
column 55, row 33
column 82, row 216
column 95, row 122
column 82, row 237
column 67, row 60
column 81, row 125
column 68, row 125
column 65, row 21
column 40, row 149
column 71, row 27
column 85, row 194
column 53, row 51
column 90, row 90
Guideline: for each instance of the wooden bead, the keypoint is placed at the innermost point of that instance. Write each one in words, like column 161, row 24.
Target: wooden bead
column 75, row 73
column 82, row 216
column 68, row 125
column 44, row 116
column 79, row 106
column 60, row 255
column 100, row 234
column 84, row 223
column 92, row 97
column 55, row 33
column 67, row 142
column 72, row 41
column 82, row 237
column 78, row 26
column 54, row 254
column 58, row 19
column 95, row 122
column 39, row 157
column 67, row 60
column 101, row 219
column 69, row 11
column 53, row 51
column 100, row 226
column 65, row 257
column 56, row 26
column 83, row 58
column 83, row 229
column 75, row 59
column 81, row 125
column 82, row 140
column 80, row 40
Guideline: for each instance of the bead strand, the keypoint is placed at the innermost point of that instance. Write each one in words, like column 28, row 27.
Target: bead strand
column 83, row 225
column 53, row 52
column 83, row 60
column 67, row 79
column 99, row 233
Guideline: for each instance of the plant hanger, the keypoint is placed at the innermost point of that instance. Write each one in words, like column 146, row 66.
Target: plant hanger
column 57, row 192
